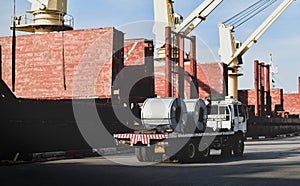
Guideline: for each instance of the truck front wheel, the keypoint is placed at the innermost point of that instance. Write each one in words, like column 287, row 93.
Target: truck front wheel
column 238, row 148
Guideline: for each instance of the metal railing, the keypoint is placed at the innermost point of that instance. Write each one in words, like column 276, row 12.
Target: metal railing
column 29, row 20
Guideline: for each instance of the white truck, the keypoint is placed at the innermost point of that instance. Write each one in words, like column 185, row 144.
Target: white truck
column 186, row 130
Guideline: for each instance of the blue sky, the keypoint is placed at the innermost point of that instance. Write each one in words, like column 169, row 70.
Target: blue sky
column 134, row 17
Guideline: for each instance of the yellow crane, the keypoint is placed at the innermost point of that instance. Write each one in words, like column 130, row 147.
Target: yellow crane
column 232, row 51
column 44, row 16
column 165, row 16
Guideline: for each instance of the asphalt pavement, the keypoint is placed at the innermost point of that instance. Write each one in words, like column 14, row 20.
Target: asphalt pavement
column 265, row 162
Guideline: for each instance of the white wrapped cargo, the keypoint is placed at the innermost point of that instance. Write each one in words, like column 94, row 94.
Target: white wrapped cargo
column 164, row 114
column 197, row 115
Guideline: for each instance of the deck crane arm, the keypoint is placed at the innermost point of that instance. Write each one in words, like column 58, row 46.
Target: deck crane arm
column 231, row 51
column 260, row 30
column 165, row 16
column 197, row 16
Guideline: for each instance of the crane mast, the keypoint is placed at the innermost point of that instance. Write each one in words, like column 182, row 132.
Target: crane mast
column 232, row 51
column 165, row 16
column 37, row 4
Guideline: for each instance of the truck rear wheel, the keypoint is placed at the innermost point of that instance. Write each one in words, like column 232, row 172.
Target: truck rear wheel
column 205, row 153
column 146, row 154
column 138, row 154
column 190, row 152
column 238, row 148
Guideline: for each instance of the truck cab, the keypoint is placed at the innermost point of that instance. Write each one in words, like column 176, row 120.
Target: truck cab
column 227, row 115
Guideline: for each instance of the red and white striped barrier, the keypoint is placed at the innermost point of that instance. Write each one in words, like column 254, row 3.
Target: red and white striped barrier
column 143, row 138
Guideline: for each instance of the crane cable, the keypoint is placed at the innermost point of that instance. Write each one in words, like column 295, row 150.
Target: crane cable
column 63, row 52
column 240, row 14
column 13, row 72
column 250, row 12
column 262, row 9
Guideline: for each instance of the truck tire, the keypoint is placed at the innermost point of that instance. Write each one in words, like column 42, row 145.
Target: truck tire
column 204, row 154
column 190, row 152
column 138, row 154
column 147, row 154
column 238, row 147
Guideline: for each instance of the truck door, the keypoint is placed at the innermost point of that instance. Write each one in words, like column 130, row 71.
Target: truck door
column 235, row 118
column 242, row 118
column 239, row 118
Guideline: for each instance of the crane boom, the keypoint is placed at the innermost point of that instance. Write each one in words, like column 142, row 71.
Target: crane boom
column 197, row 16
column 231, row 51
column 261, row 30
column 165, row 16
